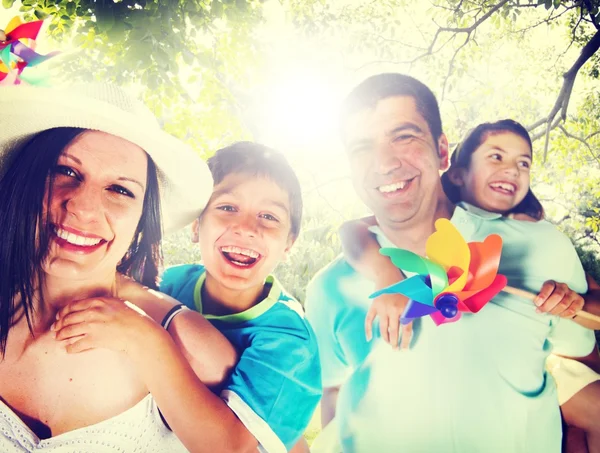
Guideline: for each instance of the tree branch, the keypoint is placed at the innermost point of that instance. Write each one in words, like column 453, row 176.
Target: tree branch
column 451, row 64
column 581, row 140
column 562, row 101
column 589, row 7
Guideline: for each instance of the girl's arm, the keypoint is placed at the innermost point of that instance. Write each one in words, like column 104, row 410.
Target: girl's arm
column 361, row 250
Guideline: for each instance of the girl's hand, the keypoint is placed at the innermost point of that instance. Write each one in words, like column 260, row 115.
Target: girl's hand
column 558, row 299
column 389, row 308
column 103, row 322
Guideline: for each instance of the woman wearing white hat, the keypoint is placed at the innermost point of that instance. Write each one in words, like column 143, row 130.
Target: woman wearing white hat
column 84, row 174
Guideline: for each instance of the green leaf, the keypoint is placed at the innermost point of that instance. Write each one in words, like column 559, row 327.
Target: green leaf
column 79, row 40
column 71, row 8
column 8, row 3
column 557, row 3
column 41, row 15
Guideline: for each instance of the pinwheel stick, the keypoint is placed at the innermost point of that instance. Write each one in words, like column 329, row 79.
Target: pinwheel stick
column 530, row 296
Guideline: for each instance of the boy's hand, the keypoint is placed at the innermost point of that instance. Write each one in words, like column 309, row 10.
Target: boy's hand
column 102, row 322
column 389, row 308
column 558, row 299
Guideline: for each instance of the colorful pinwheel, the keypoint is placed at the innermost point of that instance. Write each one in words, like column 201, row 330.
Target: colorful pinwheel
column 455, row 277
column 17, row 42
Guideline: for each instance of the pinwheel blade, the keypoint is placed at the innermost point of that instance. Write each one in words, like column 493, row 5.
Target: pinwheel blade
column 410, row 262
column 27, row 30
column 416, row 309
column 414, row 288
column 485, row 259
column 447, row 248
column 478, row 300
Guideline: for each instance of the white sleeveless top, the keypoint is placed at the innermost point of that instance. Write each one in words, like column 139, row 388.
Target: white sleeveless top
column 139, row 429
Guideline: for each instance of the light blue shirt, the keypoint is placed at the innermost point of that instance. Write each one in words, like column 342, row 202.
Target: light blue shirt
column 477, row 385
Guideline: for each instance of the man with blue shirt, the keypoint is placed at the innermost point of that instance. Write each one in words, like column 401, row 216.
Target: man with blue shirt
column 474, row 386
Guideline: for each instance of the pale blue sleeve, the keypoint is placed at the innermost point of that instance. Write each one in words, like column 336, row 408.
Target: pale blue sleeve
column 568, row 338
column 278, row 379
column 321, row 305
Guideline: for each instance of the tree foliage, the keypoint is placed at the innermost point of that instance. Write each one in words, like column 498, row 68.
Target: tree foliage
column 183, row 53
column 205, row 66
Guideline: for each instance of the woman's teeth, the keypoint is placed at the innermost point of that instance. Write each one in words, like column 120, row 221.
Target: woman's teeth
column 75, row 239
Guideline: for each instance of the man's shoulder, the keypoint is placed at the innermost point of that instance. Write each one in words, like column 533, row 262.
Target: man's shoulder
column 335, row 284
column 338, row 268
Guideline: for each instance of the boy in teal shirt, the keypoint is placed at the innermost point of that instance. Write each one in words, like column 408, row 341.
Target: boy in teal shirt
column 248, row 226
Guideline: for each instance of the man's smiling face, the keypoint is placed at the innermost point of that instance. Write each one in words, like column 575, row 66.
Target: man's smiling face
column 395, row 160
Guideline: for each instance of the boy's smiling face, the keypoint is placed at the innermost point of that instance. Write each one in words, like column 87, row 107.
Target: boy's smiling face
column 244, row 232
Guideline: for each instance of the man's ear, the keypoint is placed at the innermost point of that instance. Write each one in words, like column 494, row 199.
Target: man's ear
column 195, row 231
column 457, row 176
column 443, row 151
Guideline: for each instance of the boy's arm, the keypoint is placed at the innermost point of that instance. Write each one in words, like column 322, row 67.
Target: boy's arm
column 199, row 418
column 361, row 250
column 276, row 386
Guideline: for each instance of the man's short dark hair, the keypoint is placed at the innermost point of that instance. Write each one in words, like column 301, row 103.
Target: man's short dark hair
column 381, row 86
column 254, row 159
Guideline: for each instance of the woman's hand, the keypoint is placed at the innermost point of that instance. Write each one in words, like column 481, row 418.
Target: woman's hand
column 103, row 322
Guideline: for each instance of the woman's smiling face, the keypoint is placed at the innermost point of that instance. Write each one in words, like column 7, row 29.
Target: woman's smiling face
column 98, row 188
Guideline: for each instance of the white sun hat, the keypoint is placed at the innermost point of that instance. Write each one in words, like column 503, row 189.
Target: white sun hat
column 184, row 178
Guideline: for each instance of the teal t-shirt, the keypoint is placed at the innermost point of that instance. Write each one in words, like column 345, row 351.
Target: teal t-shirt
column 477, row 385
column 276, row 385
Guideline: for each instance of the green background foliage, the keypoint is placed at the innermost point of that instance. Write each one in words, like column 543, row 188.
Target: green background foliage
column 209, row 68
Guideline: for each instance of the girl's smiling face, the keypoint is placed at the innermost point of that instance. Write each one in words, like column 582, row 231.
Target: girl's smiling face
column 498, row 175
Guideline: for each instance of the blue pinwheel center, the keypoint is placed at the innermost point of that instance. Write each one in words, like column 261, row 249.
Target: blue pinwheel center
column 447, row 304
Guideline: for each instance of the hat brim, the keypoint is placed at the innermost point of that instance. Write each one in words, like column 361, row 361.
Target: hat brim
column 184, row 178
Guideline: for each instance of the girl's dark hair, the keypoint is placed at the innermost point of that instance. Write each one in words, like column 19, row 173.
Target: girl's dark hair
column 461, row 158
column 26, row 230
